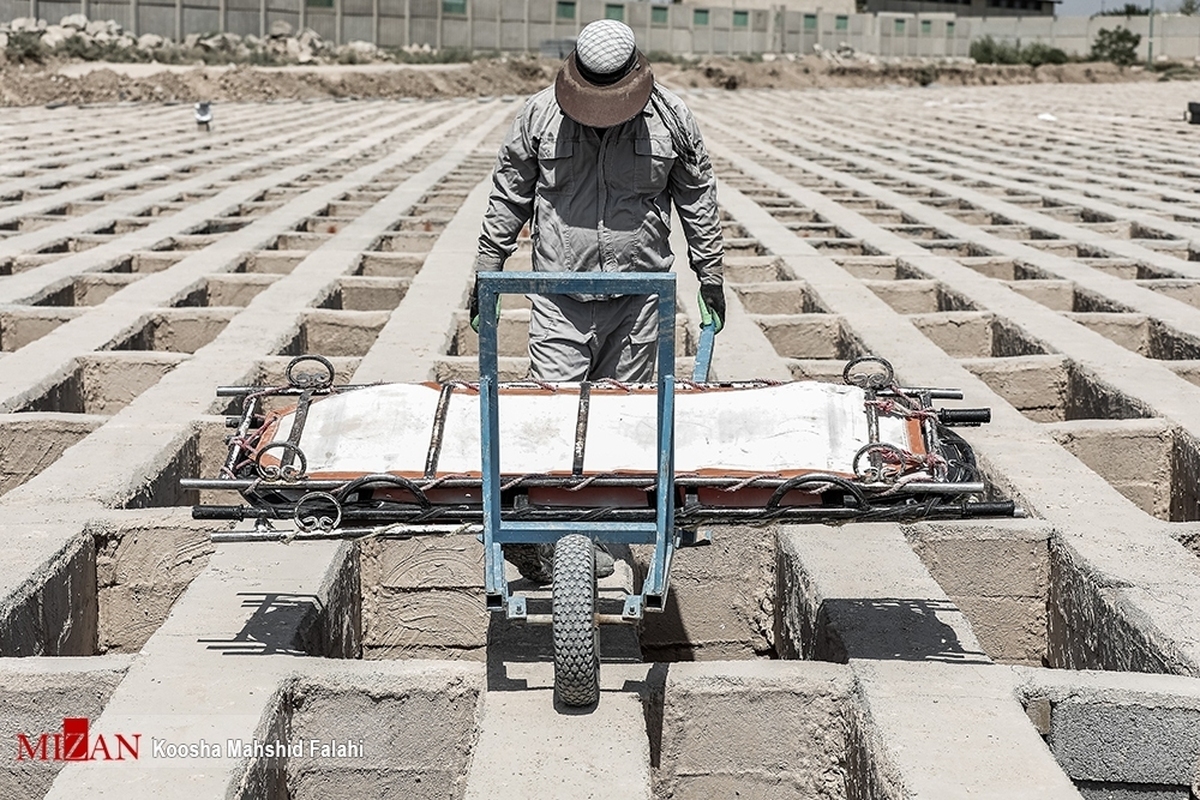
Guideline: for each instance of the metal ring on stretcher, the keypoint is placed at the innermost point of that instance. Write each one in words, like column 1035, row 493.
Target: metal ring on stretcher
column 309, row 380
column 281, row 471
column 309, row 521
column 817, row 479
column 388, row 479
column 870, row 380
column 898, row 455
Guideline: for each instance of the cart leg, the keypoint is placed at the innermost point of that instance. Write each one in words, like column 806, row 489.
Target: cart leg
column 576, row 635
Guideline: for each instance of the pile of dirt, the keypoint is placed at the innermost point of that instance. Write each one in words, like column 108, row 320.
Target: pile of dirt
column 815, row 72
column 76, row 83
column 24, row 85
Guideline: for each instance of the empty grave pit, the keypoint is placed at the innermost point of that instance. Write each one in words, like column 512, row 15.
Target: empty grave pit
column 87, row 290
column 187, row 242
column 37, row 694
column 360, row 293
column 1143, row 335
column 427, row 223
column 221, row 225
column 1125, row 268
column 109, row 589
column 104, row 383
column 405, row 241
column 975, row 334
column 430, row 712
column 1052, row 388
column 271, row 262
column 1117, row 735
column 1064, row 295
column 141, row 570
column 298, row 241
column 778, row 297
column 1187, row 291
column 20, row 325
column 808, row 336
column 199, row 451
column 918, row 296
column 1004, row 268
column 336, row 333
column 375, row 264
column 146, row 261
column 324, row 224
column 754, row 269
column 74, row 244
column 228, row 290
column 877, row 268
column 175, row 330
column 32, row 441
column 1150, row 461
column 791, row 729
column 730, row 600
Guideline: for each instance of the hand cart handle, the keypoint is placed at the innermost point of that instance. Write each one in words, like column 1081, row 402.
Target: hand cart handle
column 704, row 352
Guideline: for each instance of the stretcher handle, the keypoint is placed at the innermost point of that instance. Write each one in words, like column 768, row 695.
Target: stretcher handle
column 996, row 508
column 229, row 513
column 964, row 416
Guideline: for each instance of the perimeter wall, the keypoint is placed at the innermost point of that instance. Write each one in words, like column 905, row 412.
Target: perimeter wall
column 548, row 26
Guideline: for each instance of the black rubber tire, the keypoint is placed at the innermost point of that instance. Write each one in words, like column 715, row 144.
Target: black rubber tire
column 960, row 456
column 576, row 636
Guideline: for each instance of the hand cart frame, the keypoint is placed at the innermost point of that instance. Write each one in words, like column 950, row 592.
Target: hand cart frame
column 497, row 531
column 575, row 619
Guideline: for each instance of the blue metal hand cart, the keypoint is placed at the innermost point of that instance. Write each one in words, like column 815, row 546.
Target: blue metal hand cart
column 575, row 619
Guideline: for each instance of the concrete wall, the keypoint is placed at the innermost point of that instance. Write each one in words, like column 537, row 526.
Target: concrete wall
column 1175, row 35
column 549, row 26
column 479, row 25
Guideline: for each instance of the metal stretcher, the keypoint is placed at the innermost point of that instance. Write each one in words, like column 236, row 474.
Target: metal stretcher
column 578, row 463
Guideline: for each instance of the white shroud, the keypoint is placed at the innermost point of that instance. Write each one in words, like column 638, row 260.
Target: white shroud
column 790, row 428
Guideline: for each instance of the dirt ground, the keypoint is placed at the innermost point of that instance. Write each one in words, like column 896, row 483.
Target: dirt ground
column 815, row 72
column 68, row 84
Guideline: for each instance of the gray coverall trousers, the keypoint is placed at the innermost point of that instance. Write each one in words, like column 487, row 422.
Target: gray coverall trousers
column 578, row 340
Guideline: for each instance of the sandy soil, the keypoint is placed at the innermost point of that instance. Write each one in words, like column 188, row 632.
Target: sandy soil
column 118, row 83
column 100, row 83
column 815, row 72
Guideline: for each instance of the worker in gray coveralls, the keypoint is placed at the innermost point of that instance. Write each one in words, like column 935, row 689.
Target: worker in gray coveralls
column 595, row 162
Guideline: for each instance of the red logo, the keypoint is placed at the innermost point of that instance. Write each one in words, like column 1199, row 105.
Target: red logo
column 76, row 743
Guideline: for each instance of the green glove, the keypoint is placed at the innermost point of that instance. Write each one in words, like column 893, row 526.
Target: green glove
column 474, row 307
column 712, row 306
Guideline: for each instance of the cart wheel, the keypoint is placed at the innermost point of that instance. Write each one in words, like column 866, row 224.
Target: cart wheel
column 576, row 637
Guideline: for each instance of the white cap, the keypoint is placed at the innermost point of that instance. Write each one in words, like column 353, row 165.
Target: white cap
column 604, row 46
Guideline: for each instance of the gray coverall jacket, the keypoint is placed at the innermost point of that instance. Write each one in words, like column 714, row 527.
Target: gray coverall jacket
column 601, row 202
